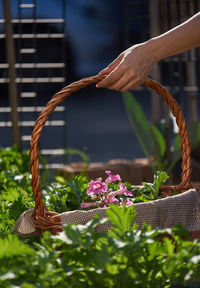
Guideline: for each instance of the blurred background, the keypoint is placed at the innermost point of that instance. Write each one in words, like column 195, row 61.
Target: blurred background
column 56, row 42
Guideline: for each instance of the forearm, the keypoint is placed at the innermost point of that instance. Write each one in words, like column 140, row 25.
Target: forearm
column 177, row 40
column 133, row 65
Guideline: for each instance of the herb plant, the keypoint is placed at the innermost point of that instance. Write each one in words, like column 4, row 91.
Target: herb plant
column 123, row 257
column 80, row 257
column 66, row 196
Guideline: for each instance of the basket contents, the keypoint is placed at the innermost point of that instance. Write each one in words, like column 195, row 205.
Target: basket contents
column 106, row 192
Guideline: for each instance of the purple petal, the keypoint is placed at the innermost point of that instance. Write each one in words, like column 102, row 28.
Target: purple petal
column 125, row 190
column 113, row 200
column 86, row 205
column 90, row 204
column 129, row 203
column 128, row 193
column 96, row 187
column 112, row 178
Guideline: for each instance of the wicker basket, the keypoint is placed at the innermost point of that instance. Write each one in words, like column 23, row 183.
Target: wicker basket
column 165, row 212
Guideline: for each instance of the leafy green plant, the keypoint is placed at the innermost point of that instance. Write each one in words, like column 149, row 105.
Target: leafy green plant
column 151, row 137
column 149, row 191
column 15, row 188
column 66, row 196
column 12, row 159
column 123, row 257
column 80, row 257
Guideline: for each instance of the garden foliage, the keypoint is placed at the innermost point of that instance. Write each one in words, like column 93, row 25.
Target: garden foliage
column 79, row 257
column 152, row 137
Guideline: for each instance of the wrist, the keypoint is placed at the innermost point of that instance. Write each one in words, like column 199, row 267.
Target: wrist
column 154, row 49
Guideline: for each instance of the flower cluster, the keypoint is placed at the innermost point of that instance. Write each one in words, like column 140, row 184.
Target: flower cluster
column 104, row 193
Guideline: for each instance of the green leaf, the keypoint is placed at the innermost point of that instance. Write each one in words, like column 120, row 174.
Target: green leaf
column 159, row 178
column 72, row 151
column 194, row 133
column 175, row 154
column 159, row 146
column 175, row 157
column 12, row 247
column 61, row 198
column 139, row 123
column 149, row 191
column 61, row 180
column 169, row 245
column 177, row 143
column 121, row 217
column 113, row 269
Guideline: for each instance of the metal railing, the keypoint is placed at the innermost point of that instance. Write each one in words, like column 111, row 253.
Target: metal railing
column 40, row 72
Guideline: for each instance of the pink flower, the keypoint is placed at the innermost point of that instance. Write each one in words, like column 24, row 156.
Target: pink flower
column 90, row 204
column 104, row 200
column 107, row 201
column 129, row 203
column 86, row 205
column 96, row 187
column 115, row 193
column 125, row 190
column 112, row 178
column 113, row 200
column 122, row 190
column 98, row 190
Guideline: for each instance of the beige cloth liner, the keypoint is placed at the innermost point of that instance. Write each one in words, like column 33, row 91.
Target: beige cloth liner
column 183, row 208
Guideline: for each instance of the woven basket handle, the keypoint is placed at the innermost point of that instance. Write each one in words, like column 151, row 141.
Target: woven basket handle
column 40, row 209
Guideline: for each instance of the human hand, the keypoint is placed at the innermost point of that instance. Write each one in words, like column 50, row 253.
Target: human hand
column 129, row 69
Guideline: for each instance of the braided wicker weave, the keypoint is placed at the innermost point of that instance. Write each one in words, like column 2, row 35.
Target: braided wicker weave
column 47, row 220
